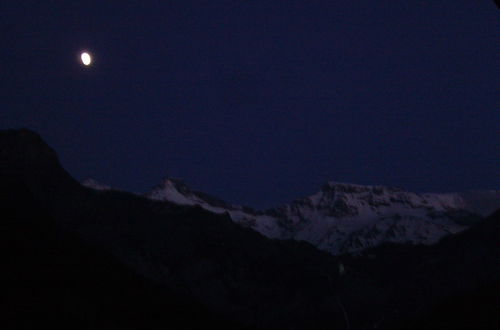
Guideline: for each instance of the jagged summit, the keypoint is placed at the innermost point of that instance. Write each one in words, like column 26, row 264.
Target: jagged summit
column 355, row 188
column 372, row 197
column 177, row 191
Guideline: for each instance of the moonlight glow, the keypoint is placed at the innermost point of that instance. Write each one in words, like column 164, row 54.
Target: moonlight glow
column 86, row 59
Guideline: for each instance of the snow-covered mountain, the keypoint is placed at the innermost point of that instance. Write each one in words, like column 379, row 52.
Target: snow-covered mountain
column 91, row 183
column 176, row 191
column 346, row 218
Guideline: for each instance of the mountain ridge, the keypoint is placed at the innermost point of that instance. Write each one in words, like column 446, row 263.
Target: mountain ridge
column 347, row 218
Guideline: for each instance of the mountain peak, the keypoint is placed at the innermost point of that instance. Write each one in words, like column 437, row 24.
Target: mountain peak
column 177, row 191
column 175, row 183
column 96, row 185
column 25, row 154
column 23, row 148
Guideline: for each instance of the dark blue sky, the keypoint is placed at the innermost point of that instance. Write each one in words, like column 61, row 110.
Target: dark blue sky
column 260, row 102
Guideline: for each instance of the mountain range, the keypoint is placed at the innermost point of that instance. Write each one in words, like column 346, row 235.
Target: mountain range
column 346, row 218
column 81, row 258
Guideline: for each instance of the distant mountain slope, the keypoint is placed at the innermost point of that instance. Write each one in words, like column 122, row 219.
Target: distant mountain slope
column 346, row 218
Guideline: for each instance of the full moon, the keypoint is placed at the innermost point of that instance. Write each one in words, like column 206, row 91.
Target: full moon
column 86, row 59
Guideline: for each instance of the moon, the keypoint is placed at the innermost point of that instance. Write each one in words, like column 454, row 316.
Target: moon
column 86, row 58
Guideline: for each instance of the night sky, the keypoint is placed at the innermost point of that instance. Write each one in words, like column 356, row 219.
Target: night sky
column 259, row 102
